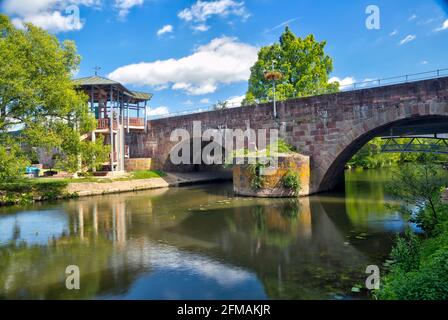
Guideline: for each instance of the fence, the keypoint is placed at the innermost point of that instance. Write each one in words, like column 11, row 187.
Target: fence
column 349, row 87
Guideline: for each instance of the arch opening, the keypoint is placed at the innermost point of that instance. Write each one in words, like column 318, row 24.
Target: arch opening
column 419, row 125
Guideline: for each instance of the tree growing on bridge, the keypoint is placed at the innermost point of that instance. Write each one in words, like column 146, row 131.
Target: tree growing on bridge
column 304, row 66
column 37, row 96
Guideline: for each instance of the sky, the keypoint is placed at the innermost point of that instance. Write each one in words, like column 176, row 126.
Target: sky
column 191, row 54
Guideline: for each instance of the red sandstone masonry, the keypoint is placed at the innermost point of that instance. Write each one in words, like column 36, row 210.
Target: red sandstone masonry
column 353, row 119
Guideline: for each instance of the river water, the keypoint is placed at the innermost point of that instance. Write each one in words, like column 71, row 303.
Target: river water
column 200, row 242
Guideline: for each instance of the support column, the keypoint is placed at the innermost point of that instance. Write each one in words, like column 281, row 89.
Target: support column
column 127, row 114
column 92, row 109
column 111, row 129
column 146, row 118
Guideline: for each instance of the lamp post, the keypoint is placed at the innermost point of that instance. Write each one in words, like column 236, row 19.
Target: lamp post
column 273, row 76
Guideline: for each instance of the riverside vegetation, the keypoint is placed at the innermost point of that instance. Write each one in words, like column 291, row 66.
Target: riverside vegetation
column 418, row 269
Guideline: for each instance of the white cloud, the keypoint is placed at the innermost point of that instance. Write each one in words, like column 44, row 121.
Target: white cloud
column 236, row 101
column 165, row 29
column 201, row 11
column 124, row 6
column 159, row 111
column 201, row 27
column 343, row 82
column 53, row 22
column 413, row 17
column 444, row 26
column 205, row 101
column 52, row 15
column 407, row 39
column 424, row 62
column 393, row 33
column 222, row 61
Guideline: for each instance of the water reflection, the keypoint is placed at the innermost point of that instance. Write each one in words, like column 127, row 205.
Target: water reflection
column 198, row 243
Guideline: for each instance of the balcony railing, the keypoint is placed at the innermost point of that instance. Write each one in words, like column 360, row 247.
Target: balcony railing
column 133, row 123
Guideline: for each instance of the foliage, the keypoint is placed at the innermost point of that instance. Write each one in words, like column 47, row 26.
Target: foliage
column 37, row 93
column 256, row 179
column 370, row 155
column 406, row 252
column 272, row 150
column 303, row 63
column 424, row 276
column 420, row 269
column 291, row 180
column 27, row 190
column 220, row 105
column 281, row 146
column 420, row 185
column 12, row 161
column 76, row 154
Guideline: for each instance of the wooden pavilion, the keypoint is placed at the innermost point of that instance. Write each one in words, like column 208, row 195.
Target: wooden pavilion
column 118, row 111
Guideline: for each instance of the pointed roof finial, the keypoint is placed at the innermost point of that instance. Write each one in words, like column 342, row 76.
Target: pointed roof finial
column 96, row 70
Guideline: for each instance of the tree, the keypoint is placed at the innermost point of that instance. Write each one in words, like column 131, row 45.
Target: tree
column 221, row 105
column 303, row 63
column 420, row 185
column 37, row 95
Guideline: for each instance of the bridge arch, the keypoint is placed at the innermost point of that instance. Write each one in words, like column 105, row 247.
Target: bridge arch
column 422, row 124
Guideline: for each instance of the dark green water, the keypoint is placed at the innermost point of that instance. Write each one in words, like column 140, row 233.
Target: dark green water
column 200, row 242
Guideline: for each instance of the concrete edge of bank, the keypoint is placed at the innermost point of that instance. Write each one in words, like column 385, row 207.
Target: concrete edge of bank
column 85, row 189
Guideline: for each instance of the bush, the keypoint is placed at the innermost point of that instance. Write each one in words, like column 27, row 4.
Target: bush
column 12, row 163
column 26, row 191
column 291, row 181
column 256, row 179
column 420, row 269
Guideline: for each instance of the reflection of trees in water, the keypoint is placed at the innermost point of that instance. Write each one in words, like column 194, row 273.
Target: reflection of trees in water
column 278, row 225
column 365, row 195
column 38, row 272
column 295, row 250
column 293, row 246
column 96, row 243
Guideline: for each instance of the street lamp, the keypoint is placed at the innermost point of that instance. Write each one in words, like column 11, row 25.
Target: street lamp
column 273, row 76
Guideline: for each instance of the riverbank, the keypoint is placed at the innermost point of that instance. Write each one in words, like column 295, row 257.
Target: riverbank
column 170, row 180
column 29, row 191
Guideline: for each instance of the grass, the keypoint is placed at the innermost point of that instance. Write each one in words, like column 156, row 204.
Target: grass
column 134, row 175
column 147, row 174
column 26, row 190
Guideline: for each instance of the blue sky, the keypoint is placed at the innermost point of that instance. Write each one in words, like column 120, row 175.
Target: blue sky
column 191, row 54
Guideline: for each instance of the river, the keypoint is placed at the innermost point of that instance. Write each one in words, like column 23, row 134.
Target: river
column 200, row 242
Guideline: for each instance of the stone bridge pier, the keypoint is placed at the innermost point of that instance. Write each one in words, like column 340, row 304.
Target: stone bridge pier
column 328, row 128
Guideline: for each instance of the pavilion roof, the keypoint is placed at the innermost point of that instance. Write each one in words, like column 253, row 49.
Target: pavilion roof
column 101, row 81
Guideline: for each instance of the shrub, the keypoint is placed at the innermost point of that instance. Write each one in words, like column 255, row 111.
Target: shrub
column 256, row 179
column 291, row 181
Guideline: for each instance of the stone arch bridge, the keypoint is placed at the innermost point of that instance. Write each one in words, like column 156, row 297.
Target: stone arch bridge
column 328, row 128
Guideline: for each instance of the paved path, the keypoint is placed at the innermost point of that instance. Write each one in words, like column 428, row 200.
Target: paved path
column 83, row 189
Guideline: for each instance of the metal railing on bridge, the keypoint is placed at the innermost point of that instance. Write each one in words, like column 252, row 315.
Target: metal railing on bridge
column 374, row 83
column 417, row 144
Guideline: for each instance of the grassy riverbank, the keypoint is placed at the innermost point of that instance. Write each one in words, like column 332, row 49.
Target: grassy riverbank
column 23, row 191
column 418, row 269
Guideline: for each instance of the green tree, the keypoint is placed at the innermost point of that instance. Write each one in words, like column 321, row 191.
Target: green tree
column 303, row 63
column 419, row 185
column 37, row 95
column 221, row 105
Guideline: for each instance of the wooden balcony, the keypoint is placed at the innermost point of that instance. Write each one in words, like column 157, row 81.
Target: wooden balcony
column 134, row 123
column 137, row 123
